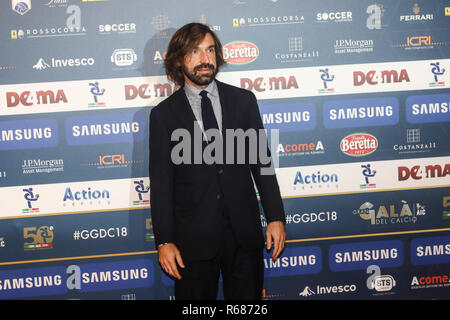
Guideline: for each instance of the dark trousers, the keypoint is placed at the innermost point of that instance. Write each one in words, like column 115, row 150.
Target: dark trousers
column 242, row 273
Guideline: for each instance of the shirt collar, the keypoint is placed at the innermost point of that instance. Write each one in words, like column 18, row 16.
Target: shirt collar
column 195, row 92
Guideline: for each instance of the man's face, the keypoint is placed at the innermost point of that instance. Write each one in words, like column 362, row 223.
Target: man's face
column 199, row 66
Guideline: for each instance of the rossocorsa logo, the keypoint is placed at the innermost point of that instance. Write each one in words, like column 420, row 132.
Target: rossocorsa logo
column 240, row 52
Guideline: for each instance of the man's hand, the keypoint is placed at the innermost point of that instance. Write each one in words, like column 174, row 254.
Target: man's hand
column 275, row 232
column 169, row 256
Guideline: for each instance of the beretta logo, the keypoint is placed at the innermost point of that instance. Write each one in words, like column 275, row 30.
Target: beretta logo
column 240, row 52
column 359, row 144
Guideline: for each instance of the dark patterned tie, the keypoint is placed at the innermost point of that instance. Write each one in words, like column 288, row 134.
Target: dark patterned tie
column 208, row 117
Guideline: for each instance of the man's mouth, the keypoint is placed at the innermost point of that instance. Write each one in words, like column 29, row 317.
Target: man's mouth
column 204, row 68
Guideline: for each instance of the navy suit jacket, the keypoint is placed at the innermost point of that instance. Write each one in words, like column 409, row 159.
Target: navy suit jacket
column 187, row 200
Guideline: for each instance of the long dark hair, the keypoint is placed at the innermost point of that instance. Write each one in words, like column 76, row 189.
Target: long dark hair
column 182, row 42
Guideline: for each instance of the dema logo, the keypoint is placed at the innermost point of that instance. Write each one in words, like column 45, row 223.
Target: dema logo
column 289, row 117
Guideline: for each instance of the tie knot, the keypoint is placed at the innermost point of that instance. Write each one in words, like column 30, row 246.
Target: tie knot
column 204, row 93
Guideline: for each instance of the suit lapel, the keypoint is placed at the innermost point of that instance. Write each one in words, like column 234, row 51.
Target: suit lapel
column 183, row 110
column 228, row 108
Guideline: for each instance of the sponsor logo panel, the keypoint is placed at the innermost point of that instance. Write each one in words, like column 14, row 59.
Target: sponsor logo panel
column 361, row 112
column 433, row 250
column 430, row 281
column 240, row 52
column 28, row 134
column 110, row 128
column 413, row 142
column 111, row 275
column 387, row 213
column 321, row 290
column 428, row 108
column 294, row 261
column 289, row 117
column 360, row 255
column 34, row 282
column 37, row 282
column 70, row 197
column 359, row 144
column 379, row 175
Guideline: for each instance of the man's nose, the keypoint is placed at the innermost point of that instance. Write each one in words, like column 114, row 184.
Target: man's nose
column 204, row 58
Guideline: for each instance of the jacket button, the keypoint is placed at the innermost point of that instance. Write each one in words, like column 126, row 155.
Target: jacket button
column 220, row 171
column 218, row 196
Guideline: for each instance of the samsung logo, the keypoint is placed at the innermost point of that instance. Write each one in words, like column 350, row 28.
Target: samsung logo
column 285, row 117
column 433, row 250
column 428, row 108
column 361, row 112
column 289, row 117
column 110, row 128
column 366, row 255
column 105, row 129
column 27, row 134
column 294, row 261
column 360, row 255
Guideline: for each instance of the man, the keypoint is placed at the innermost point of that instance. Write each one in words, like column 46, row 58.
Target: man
column 206, row 216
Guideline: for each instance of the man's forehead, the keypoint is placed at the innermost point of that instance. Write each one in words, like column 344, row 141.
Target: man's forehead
column 207, row 41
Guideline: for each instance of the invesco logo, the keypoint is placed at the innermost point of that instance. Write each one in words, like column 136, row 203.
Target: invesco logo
column 240, row 52
column 359, row 144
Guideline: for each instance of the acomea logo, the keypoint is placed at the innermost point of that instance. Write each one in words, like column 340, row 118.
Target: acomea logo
column 359, row 144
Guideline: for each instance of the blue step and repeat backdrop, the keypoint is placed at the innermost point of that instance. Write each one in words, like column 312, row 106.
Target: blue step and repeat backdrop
column 358, row 91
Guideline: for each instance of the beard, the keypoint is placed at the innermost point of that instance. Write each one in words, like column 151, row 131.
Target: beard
column 201, row 79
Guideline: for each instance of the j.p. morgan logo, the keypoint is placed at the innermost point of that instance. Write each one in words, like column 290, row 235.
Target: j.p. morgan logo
column 359, row 144
column 240, row 52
